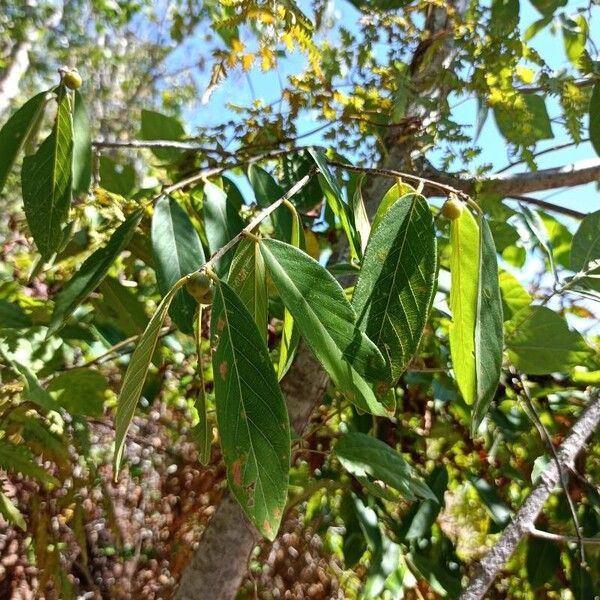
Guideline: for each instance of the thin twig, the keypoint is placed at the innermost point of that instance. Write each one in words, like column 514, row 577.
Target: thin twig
column 570, row 212
column 568, row 539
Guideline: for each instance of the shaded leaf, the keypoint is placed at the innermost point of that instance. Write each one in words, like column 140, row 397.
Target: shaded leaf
column 46, row 181
column 91, row 273
column 18, row 459
column 539, row 341
column 82, row 146
column 543, row 559
column 464, row 292
column 488, row 329
column 17, row 129
column 122, row 305
column 221, row 223
column 327, row 321
column 594, row 121
column 397, row 281
column 156, row 126
column 251, row 413
column 177, row 251
column 586, row 244
column 117, row 178
column 79, row 392
column 495, row 506
column 247, row 278
column 365, row 456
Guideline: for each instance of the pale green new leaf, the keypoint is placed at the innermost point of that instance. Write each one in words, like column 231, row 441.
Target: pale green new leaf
column 328, row 323
column 92, row 272
column 248, row 279
column 539, row 341
column 464, row 272
column 488, row 329
column 362, row 456
column 397, row 281
column 251, row 413
column 361, row 219
column 46, row 181
column 177, row 251
column 136, row 375
column 396, row 191
column 16, row 130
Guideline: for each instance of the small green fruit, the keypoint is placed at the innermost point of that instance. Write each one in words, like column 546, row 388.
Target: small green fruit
column 199, row 285
column 72, row 79
column 452, row 208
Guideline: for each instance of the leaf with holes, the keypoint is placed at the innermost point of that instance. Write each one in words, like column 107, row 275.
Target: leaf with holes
column 177, row 252
column 136, row 376
column 397, row 281
column 91, row 273
column 327, row 321
column 464, row 292
column 251, row 413
column 46, row 181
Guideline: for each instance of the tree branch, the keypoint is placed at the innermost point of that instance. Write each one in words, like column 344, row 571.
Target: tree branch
column 567, row 539
column 523, row 522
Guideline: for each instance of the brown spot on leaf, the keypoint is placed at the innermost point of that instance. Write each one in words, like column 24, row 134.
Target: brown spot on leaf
column 220, row 324
column 267, row 526
column 236, row 472
column 223, row 369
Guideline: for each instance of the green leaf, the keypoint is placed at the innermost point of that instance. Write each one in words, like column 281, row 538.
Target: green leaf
column 91, row 273
column 539, row 341
column 364, row 456
column 335, row 198
column 117, row 178
column 575, row 37
column 397, row 281
column 526, row 122
column 543, row 560
column 396, row 191
column 464, row 271
column 327, row 322
column 361, row 219
column 136, row 375
column 547, row 7
column 121, row 305
column 12, row 316
column 586, row 244
column 247, row 278
column 290, row 333
column 538, row 229
column 594, row 122
column 79, row 392
column 16, row 130
column 495, row 506
column 177, row 251
column 18, row 459
column 11, row 513
column 488, row 329
column 266, row 191
column 156, row 126
column 82, row 146
column 251, row 413
column 221, row 223
column 46, row 181
column 514, row 295
column 201, row 431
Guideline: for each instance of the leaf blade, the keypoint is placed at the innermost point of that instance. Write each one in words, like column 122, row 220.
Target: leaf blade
column 254, row 427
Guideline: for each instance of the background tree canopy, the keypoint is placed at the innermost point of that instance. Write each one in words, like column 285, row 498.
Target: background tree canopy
column 299, row 299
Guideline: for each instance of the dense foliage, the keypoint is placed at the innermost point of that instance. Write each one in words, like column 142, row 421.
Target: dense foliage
column 152, row 277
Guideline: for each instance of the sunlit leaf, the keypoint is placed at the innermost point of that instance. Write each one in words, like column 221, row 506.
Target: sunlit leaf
column 251, row 413
column 464, row 271
column 135, row 377
column 82, row 146
column 11, row 513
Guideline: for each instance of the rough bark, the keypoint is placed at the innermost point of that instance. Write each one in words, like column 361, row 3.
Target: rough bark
column 524, row 520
